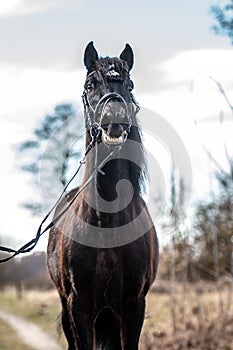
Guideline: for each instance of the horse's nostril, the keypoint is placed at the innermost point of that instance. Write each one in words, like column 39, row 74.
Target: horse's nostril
column 104, row 126
column 115, row 130
column 116, row 117
column 106, row 120
column 122, row 118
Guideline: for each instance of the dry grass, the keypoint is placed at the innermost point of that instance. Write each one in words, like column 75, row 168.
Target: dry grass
column 202, row 322
column 202, row 319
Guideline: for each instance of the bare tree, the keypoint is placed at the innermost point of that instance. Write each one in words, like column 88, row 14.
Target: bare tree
column 54, row 150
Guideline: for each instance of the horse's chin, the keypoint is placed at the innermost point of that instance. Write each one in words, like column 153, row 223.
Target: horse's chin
column 112, row 140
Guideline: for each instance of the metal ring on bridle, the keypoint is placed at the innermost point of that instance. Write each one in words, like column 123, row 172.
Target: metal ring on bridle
column 95, row 131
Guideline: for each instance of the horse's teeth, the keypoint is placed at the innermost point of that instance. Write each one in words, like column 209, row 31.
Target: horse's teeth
column 112, row 140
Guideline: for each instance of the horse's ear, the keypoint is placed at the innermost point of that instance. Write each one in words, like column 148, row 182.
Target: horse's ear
column 90, row 56
column 127, row 56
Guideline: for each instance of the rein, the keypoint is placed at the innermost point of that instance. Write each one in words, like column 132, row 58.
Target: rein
column 95, row 130
column 26, row 248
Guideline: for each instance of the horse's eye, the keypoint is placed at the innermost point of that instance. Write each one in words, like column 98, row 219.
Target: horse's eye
column 90, row 87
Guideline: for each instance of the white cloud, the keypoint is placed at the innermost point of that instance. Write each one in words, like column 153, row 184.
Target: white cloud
column 198, row 64
column 9, row 6
column 25, row 88
column 28, row 7
column 190, row 94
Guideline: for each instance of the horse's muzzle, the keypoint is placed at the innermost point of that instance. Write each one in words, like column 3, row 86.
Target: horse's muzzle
column 114, row 140
column 114, row 123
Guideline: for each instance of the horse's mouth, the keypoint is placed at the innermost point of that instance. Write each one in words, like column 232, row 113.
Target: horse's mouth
column 112, row 140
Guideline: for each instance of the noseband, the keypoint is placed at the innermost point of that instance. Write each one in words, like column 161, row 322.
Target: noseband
column 90, row 112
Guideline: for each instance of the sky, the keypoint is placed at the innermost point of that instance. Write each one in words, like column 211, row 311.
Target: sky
column 41, row 64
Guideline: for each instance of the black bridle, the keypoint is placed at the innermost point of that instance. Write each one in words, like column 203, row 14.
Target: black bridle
column 90, row 112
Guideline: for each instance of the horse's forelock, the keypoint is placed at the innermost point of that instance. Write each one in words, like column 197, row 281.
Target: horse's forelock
column 103, row 67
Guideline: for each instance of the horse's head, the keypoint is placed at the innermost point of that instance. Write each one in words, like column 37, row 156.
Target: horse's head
column 108, row 101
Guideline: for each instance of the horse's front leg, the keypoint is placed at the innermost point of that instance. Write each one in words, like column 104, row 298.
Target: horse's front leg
column 81, row 322
column 133, row 320
column 67, row 326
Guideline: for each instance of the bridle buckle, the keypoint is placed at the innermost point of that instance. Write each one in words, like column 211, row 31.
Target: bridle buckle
column 95, row 132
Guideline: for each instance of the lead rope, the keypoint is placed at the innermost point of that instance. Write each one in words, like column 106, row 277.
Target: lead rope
column 26, row 248
column 95, row 131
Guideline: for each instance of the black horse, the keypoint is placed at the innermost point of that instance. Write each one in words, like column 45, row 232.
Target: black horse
column 103, row 252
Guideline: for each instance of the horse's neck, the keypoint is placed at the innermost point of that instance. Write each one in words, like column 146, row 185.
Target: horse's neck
column 114, row 179
column 112, row 190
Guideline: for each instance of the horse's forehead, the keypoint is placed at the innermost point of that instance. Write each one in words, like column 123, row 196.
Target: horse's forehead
column 109, row 61
column 112, row 68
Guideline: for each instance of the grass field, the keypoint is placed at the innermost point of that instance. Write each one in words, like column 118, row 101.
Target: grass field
column 10, row 340
column 41, row 308
column 196, row 318
column 201, row 318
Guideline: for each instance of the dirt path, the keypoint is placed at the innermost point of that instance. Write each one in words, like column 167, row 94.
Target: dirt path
column 30, row 333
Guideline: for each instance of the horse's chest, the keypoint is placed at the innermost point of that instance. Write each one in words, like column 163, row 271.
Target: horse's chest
column 116, row 272
column 107, row 264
